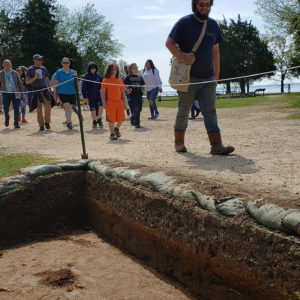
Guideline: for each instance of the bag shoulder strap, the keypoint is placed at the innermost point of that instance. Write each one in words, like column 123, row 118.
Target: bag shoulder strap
column 197, row 44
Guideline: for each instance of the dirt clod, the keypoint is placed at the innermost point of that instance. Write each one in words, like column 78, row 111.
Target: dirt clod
column 61, row 277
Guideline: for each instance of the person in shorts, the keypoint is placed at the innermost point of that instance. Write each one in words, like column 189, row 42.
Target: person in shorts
column 114, row 99
column 66, row 89
column 91, row 93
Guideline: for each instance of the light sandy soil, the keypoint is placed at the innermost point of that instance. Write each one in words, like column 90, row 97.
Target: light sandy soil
column 266, row 160
column 102, row 272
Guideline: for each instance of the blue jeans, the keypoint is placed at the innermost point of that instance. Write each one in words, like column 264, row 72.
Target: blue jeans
column 206, row 96
column 7, row 99
column 136, row 103
column 151, row 95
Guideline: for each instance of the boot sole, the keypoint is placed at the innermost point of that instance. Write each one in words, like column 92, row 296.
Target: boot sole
column 226, row 152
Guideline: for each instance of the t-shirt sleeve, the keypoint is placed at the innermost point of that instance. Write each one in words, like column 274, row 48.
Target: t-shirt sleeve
column 122, row 85
column 56, row 76
column 104, row 85
column 46, row 73
column 176, row 32
column 218, row 35
column 30, row 73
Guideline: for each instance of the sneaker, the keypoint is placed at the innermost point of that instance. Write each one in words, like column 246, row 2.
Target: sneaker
column 24, row 120
column 47, row 125
column 69, row 125
column 94, row 124
column 113, row 137
column 151, row 118
column 156, row 116
column 6, row 122
column 99, row 121
column 137, row 126
column 117, row 132
column 16, row 124
column 42, row 128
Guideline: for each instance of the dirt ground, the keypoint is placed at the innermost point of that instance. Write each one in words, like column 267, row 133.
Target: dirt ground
column 80, row 266
column 266, row 162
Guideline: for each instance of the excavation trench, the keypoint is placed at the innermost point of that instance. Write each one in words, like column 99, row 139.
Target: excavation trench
column 213, row 256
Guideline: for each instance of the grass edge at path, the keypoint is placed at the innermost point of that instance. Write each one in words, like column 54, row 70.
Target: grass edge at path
column 11, row 163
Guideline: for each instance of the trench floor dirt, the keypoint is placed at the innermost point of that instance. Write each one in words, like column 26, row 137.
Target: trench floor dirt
column 80, row 266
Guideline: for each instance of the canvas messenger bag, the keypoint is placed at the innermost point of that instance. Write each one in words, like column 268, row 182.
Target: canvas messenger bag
column 180, row 72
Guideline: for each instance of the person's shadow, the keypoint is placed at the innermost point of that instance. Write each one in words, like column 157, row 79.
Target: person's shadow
column 235, row 163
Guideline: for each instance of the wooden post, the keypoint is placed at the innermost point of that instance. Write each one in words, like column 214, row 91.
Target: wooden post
column 84, row 155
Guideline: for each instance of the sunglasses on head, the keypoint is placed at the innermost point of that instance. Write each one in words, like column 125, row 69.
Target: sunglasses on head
column 204, row 4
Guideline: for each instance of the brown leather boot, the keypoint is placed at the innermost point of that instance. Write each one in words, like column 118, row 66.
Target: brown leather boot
column 179, row 141
column 217, row 147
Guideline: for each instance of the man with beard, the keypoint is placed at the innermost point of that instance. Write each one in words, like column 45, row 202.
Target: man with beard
column 205, row 67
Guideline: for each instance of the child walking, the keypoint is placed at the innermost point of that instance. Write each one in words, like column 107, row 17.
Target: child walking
column 135, row 94
column 114, row 99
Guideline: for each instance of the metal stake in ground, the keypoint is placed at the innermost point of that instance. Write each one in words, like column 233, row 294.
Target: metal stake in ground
column 84, row 155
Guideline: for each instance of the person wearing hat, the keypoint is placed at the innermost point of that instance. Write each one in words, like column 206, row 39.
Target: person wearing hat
column 38, row 77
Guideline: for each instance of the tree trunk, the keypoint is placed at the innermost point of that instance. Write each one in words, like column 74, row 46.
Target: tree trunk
column 282, row 81
column 242, row 85
column 228, row 87
column 248, row 87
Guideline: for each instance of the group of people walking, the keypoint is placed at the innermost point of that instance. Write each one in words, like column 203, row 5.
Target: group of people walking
column 111, row 92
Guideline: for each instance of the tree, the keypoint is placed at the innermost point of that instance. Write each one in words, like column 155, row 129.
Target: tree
column 284, row 17
column 89, row 32
column 243, row 52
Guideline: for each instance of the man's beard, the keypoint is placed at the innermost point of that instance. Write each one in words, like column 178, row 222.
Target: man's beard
column 200, row 16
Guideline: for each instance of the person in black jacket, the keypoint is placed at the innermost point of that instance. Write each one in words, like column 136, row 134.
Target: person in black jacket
column 91, row 91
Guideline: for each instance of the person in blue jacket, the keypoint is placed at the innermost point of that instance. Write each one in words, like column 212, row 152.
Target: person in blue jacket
column 91, row 92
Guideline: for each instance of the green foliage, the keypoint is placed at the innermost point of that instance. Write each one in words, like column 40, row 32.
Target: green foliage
column 11, row 163
column 89, row 32
column 243, row 52
column 298, row 294
column 282, row 18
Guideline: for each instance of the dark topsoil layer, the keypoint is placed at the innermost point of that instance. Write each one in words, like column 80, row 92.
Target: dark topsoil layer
column 215, row 257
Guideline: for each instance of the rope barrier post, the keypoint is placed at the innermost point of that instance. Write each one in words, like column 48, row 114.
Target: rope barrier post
column 84, row 155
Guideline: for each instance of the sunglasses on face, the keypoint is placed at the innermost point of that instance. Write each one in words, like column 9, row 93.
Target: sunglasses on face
column 65, row 62
column 204, row 5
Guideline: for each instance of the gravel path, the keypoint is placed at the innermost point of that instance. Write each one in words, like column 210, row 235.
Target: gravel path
column 266, row 161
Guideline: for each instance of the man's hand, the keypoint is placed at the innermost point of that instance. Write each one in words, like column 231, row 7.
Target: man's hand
column 188, row 59
column 160, row 90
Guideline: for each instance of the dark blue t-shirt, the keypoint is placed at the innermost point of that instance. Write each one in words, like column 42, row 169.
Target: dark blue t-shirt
column 38, row 83
column 186, row 32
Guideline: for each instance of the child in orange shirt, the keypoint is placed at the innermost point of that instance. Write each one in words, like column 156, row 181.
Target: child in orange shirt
column 113, row 97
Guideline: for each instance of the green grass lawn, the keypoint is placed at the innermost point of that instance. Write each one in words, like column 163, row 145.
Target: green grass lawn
column 283, row 100
column 10, row 163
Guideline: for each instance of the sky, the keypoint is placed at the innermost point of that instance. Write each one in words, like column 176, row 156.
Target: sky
column 143, row 26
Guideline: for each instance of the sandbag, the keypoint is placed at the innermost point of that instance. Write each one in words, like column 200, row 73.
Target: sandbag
column 230, row 207
column 182, row 190
column 15, row 179
column 7, row 188
column 129, row 175
column 206, row 202
column 80, row 165
column 157, row 181
column 269, row 215
column 40, row 170
column 115, row 172
column 292, row 222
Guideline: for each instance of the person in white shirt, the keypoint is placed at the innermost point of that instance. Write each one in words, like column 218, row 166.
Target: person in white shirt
column 152, row 86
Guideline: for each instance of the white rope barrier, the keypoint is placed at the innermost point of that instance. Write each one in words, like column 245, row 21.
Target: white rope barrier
column 164, row 85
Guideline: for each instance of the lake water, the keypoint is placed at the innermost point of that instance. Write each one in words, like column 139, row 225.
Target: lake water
column 270, row 89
